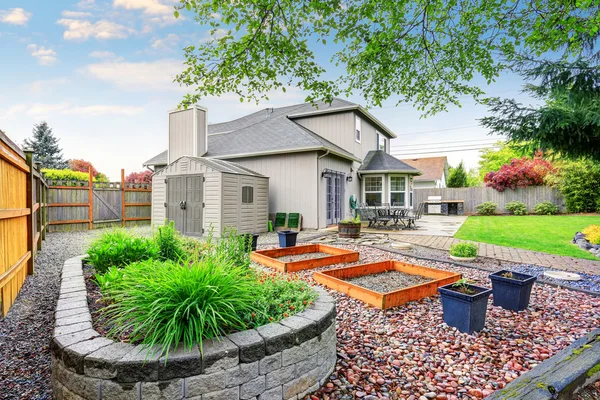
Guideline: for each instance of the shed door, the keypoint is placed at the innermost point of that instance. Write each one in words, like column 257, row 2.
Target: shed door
column 175, row 195
column 194, row 207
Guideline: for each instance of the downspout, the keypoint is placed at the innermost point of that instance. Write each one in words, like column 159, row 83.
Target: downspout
column 319, row 189
column 324, row 155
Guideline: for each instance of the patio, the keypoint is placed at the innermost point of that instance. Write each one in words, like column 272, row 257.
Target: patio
column 428, row 225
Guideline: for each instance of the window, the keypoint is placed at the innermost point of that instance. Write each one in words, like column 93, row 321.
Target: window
column 247, row 195
column 381, row 142
column 358, row 126
column 373, row 190
column 398, row 191
column 411, row 192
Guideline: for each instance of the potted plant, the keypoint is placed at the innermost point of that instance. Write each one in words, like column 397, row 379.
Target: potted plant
column 287, row 238
column 512, row 289
column 349, row 228
column 463, row 251
column 464, row 305
column 251, row 241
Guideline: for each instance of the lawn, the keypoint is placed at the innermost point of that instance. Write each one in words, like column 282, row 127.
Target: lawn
column 548, row 234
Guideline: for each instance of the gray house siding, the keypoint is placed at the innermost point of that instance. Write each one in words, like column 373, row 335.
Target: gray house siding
column 181, row 141
column 350, row 188
column 293, row 185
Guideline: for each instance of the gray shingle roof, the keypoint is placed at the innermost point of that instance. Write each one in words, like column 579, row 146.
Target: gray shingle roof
column 265, row 131
column 221, row 166
column 380, row 161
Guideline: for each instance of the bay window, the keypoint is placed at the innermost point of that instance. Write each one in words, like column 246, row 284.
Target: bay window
column 398, row 191
column 373, row 190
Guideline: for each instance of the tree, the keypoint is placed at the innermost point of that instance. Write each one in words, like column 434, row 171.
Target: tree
column 491, row 159
column 569, row 121
column 579, row 183
column 427, row 52
column 45, row 147
column 82, row 166
column 139, row 177
column 520, row 172
column 457, row 177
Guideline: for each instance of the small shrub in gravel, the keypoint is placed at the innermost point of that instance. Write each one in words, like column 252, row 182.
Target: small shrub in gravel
column 516, row 208
column 118, row 248
column 486, row 208
column 463, row 249
column 546, row 208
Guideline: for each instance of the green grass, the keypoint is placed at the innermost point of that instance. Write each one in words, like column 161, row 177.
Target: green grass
column 548, row 234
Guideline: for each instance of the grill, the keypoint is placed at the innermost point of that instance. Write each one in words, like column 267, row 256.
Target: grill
column 434, row 205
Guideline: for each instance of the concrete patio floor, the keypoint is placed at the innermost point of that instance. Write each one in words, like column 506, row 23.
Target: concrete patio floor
column 428, row 225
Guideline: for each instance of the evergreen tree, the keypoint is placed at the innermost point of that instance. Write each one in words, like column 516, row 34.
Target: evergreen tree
column 45, row 147
column 457, row 177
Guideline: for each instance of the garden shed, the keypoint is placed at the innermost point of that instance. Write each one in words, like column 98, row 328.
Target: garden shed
column 199, row 193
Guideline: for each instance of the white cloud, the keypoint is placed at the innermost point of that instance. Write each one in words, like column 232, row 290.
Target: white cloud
column 43, row 85
column 40, row 110
column 76, row 14
column 148, row 7
column 217, row 34
column 104, row 55
column 15, row 16
column 44, row 56
column 85, row 4
column 215, row 15
column 168, row 43
column 138, row 76
column 79, row 30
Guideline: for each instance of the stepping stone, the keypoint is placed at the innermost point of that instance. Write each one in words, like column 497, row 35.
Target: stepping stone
column 401, row 246
column 566, row 276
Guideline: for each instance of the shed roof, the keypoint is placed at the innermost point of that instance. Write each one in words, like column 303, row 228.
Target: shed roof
column 380, row 161
column 433, row 168
column 220, row 166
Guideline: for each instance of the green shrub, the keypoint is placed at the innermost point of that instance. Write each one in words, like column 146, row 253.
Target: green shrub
column 65, row 175
column 231, row 248
column 169, row 242
column 487, row 208
column 592, row 233
column 546, row 208
column 516, row 208
column 110, row 278
column 161, row 302
column 117, row 248
column 579, row 183
column 463, row 249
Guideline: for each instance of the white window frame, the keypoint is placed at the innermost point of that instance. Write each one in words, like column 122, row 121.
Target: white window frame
column 381, row 137
column 364, row 187
column 405, row 191
column 357, row 129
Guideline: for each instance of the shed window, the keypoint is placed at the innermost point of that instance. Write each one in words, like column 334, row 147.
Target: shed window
column 247, row 194
column 373, row 190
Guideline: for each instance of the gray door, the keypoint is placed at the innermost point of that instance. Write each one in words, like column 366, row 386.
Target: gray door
column 333, row 198
column 193, row 207
column 184, row 203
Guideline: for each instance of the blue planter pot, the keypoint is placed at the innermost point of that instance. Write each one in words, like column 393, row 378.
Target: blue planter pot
column 287, row 238
column 512, row 293
column 465, row 312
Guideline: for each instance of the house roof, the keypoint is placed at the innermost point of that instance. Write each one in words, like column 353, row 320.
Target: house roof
column 433, row 168
column 220, row 165
column 272, row 131
column 378, row 161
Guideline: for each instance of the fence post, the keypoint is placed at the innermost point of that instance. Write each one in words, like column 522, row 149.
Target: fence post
column 39, row 211
column 122, row 197
column 44, row 209
column 90, row 199
column 29, row 204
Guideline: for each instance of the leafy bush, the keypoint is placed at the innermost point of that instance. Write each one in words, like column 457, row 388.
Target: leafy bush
column 516, row 207
column 110, row 278
column 161, row 302
column 546, row 208
column 169, row 243
column 463, row 249
column 65, row 175
column 278, row 297
column 230, row 248
column 139, row 177
column 487, row 208
column 117, row 248
column 592, row 233
column 579, row 183
column 521, row 172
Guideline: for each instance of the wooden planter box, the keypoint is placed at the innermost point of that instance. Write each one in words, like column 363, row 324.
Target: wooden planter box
column 269, row 257
column 335, row 279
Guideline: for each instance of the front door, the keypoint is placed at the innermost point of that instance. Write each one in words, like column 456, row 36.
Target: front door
column 333, row 198
column 184, row 203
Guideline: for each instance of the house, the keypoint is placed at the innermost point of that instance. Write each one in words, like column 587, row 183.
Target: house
column 434, row 169
column 316, row 158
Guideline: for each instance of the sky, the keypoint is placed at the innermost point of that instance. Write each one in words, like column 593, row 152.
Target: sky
column 100, row 73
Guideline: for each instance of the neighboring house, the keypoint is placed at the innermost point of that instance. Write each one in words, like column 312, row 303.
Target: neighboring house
column 434, row 169
column 315, row 157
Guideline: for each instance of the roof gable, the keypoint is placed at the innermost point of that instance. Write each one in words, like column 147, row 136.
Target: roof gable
column 380, row 161
column 433, row 168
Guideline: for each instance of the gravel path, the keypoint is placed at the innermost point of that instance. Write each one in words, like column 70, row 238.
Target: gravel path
column 388, row 281
column 300, row 257
column 26, row 331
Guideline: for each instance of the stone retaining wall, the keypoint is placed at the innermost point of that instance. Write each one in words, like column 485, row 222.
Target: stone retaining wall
column 284, row 360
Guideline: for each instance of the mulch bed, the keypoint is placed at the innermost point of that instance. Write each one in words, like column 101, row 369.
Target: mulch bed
column 388, row 281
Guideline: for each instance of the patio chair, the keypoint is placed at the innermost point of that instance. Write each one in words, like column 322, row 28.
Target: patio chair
column 384, row 215
column 415, row 216
column 368, row 214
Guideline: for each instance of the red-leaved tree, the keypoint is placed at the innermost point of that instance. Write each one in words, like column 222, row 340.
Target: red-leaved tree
column 139, row 177
column 82, row 166
column 520, row 172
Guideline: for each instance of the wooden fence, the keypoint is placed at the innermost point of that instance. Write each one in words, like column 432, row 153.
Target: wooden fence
column 476, row 195
column 23, row 218
column 83, row 205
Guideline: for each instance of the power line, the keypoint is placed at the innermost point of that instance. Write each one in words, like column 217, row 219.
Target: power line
column 483, row 141
column 442, row 148
column 438, row 130
column 443, row 151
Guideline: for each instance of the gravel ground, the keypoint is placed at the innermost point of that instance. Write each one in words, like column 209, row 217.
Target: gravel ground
column 26, row 331
column 300, row 257
column 388, row 281
column 408, row 352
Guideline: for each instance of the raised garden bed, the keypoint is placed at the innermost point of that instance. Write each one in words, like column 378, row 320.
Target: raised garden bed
column 340, row 279
column 272, row 258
